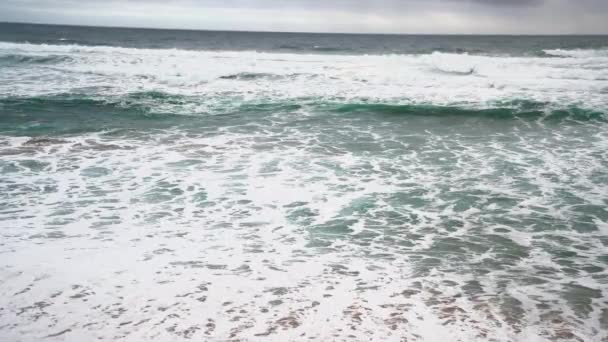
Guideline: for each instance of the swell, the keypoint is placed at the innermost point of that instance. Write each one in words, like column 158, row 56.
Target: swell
column 516, row 109
column 69, row 114
column 30, row 59
column 575, row 53
column 134, row 103
column 331, row 49
column 249, row 76
column 74, row 46
column 253, row 76
column 155, row 105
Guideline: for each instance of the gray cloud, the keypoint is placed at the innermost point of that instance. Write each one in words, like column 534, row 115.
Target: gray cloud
column 401, row 16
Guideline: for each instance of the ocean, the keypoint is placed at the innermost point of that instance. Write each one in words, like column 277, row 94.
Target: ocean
column 165, row 185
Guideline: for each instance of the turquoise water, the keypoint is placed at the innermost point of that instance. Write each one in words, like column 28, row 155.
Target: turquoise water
column 188, row 187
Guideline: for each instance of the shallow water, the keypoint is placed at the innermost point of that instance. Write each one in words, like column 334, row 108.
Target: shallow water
column 170, row 194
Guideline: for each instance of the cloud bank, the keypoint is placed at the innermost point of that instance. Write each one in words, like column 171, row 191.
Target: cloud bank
column 380, row 16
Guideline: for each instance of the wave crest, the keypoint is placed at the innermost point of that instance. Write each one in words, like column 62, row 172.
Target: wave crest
column 161, row 104
column 34, row 59
column 576, row 53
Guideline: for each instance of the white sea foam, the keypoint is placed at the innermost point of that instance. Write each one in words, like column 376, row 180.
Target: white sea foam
column 182, row 235
column 578, row 53
column 301, row 225
column 438, row 78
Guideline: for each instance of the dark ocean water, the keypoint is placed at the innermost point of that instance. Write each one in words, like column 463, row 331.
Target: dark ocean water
column 164, row 185
column 355, row 44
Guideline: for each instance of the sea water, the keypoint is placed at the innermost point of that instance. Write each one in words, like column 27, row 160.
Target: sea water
column 162, row 185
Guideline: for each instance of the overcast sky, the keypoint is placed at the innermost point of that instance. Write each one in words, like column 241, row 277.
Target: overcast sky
column 378, row 16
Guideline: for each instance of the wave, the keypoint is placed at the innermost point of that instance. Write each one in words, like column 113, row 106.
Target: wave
column 465, row 72
column 70, row 45
column 315, row 48
column 249, row 76
column 150, row 103
column 517, row 109
column 33, row 59
column 576, row 53
column 159, row 105
column 330, row 49
column 289, row 47
column 75, row 103
column 70, row 114
column 441, row 79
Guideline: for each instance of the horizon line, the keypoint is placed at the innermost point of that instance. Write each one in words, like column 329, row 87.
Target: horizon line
column 306, row 32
